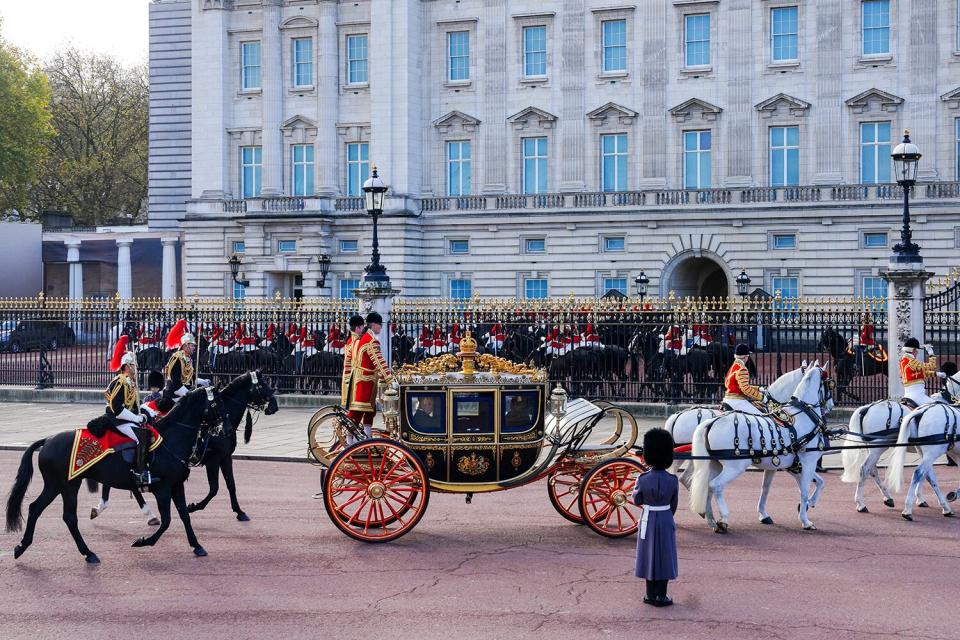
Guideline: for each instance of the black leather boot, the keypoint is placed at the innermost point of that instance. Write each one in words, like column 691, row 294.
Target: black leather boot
column 651, row 593
column 141, row 471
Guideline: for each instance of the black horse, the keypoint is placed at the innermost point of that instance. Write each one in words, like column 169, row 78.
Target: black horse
column 242, row 394
column 848, row 365
column 195, row 413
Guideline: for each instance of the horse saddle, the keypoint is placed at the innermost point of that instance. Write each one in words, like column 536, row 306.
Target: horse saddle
column 908, row 403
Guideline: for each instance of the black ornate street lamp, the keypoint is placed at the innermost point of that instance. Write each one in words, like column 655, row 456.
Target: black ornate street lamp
column 743, row 284
column 235, row 263
column 642, row 281
column 906, row 159
column 374, row 191
column 324, row 261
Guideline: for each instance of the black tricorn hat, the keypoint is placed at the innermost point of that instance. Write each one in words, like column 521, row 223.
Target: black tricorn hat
column 658, row 448
column 742, row 350
column 355, row 321
column 912, row 343
column 374, row 318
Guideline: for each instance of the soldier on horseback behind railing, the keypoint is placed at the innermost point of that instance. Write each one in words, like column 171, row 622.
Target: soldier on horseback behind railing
column 864, row 343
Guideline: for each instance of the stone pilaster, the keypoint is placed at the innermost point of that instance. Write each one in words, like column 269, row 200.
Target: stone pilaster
column 739, row 113
column 828, row 114
column 653, row 71
column 904, row 316
column 493, row 29
column 328, row 102
column 572, row 97
column 210, row 101
column 272, row 79
column 923, row 101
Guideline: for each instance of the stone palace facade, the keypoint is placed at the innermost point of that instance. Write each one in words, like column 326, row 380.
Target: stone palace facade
column 547, row 147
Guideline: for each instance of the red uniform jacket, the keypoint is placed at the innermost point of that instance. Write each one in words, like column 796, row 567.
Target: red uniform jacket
column 367, row 368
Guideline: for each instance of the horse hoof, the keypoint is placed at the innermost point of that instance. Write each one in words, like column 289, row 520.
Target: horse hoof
column 18, row 551
column 810, row 527
column 948, row 514
column 863, row 509
column 767, row 520
column 191, row 507
column 92, row 558
column 923, row 504
column 242, row 517
column 907, row 517
column 200, row 552
column 94, row 513
column 952, row 496
column 139, row 542
column 888, row 502
column 720, row 528
column 154, row 522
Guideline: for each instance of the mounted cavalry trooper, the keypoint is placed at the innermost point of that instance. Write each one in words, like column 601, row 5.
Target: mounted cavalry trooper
column 739, row 394
column 267, row 341
column 914, row 372
column 367, row 369
column 246, row 341
column 180, row 373
column 673, row 340
column 495, row 338
column 864, row 342
column 335, row 341
column 123, row 406
column 590, row 338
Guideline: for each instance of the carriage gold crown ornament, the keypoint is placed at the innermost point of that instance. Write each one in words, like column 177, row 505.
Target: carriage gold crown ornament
column 558, row 401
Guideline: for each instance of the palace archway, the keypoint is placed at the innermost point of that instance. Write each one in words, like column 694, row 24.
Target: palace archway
column 695, row 275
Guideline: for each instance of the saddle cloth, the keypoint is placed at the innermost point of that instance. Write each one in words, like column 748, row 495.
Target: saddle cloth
column 88, row 449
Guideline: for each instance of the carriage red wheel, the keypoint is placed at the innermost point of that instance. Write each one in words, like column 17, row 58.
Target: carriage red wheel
column 563, row 487
column 605, row 497
column 376, row 490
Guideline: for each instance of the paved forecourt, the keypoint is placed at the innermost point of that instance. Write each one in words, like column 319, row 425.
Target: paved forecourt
column 507, row 566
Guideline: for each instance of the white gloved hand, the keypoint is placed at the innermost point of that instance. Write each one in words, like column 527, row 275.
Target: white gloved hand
column 763, row 392
column 941, row 374
column 182, row 391
column 203, row 382
column 929, row 348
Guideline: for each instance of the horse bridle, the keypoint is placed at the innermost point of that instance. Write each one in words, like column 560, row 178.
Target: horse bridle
column 814, row 411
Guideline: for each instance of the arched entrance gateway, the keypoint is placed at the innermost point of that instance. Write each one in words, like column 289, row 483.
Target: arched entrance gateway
column 695, row 275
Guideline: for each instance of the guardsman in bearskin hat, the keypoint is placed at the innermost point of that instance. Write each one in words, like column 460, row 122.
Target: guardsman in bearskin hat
column 739, row 394
column 657, row 490
column 123, row 406
column 368, row 368
column 914, row 371
column 180, row 373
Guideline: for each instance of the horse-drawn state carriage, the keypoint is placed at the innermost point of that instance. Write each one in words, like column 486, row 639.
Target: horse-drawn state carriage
column 471, row 423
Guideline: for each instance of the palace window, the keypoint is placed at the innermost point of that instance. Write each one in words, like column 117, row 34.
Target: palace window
column 535, row 288
column 251, row 171
column 613, row 162
column 783, row 241
column 697, row 159
column 249, row 65
column 876, row 27
column 357, row 59
column 287, row 246
column 614, row 45
column 459, row 164
column 874, row 239
column 874, row 152
column 239, row 291
column 458, row 55
column 614, row 243
column 874, row 287
column 788, row 286
column 784, row 156
column 784, row 31
column 535, row 51
column 302, row 169
column 358, row 167
column 458, row 247
column 302, row 62
column 460, row 288
column 614, row 284
column 534, row 165
column 534, row 245
column 349, row 246
column 347, row 286
column 697, row 40
column 239, row 246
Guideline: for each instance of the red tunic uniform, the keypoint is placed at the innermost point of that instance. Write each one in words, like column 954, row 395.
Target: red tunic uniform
column 367, row 369
column 737, row 383
column 913, row 371
column 866, row 335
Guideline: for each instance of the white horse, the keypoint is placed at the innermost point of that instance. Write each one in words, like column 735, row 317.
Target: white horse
column 940, row 424
column 876, row 423
column 722, row 439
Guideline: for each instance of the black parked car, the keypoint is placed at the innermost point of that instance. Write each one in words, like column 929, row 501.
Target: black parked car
column 33, row 334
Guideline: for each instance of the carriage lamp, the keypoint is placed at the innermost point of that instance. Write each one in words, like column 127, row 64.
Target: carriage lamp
column 374, row 191
column 642, row 281
column 906, row 160
column 558, row 402
column 235, row 263
column 324, row 261
column 391, row 408
column 743, row 283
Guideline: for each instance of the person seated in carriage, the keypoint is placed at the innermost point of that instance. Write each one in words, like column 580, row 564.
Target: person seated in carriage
column 123, row 407
column 427, row 419
column 181, row 376
column 739, row 393
column 335, row 341
column 914, row 372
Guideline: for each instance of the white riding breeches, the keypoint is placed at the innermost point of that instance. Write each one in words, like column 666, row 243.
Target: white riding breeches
column 743, row 405
column 918, row 393
column 126, row 428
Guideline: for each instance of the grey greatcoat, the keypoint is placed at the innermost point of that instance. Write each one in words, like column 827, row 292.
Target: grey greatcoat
column 657, row 551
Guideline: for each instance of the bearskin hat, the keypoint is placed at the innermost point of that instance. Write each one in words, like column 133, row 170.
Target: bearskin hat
column 658, row 448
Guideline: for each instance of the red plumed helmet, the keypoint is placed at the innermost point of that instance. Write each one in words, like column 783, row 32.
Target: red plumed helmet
column 173, row 338
column 118, row 351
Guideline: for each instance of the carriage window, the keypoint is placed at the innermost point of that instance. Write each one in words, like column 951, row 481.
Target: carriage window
column 521, row 411
column 473, row 412
column 426, row 412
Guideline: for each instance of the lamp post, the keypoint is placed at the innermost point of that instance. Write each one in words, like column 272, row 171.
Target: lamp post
column 642, row 281
column 743, row 284
column 374, row 191
column 906, row 159
column 324, row 261
column 235, row 263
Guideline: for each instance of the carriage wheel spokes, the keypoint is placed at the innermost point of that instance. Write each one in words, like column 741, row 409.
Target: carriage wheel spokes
column 563, row 487
column 376, row 490
column 604, row 500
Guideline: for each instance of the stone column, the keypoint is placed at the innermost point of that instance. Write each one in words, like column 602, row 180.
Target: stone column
column 76, row 268
column 572, row 97
column 124, row 275
column 493, row 28
column 272, row 100
column 328, row 102
column 210, row 84
column 169, row 283
column 905, row 294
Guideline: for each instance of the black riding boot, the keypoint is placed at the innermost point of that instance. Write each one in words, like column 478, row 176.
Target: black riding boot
column 141, row 471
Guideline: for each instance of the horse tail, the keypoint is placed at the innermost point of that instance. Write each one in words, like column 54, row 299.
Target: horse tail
column 248, row 429
column 700, row 484
column 19, row 490
column 894, row 477
column 91, row 485
column 853, row 458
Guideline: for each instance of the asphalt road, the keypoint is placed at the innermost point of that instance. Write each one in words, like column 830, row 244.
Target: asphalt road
column 506, row 566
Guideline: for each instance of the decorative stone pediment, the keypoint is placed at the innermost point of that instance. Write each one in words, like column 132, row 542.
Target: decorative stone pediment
column 299, row 22
column 299, row 128
column 298, row 122
column 456, row 121
column 214, row 4
column 952, row 98
column 875, row 100
column 695, row 108
column 532, row 116
column 613, row 113
column 783, row 104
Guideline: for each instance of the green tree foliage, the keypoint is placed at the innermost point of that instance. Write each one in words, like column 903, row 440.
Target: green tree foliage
column 24, row 126
column 96, row 167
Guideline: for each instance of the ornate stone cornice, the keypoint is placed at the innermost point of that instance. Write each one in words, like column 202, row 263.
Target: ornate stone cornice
column 683, row 111
column 795, row 106
column 861, row 102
